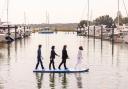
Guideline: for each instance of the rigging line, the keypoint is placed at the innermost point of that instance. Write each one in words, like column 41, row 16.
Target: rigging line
column 88, row 12
column 83, row 13
column 3, row 9
column 82, row 16
column 125, row 8
column 7, row 10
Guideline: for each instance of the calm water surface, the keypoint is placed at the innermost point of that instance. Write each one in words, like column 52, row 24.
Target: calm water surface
column 108, row 64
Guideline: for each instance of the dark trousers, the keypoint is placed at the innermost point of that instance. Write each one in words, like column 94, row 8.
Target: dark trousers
column 51, row 63
column 63, row 62
column 39, row 61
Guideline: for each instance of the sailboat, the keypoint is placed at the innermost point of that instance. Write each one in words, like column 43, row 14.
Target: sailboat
column 5, row 35
column 121, row 32
column 47, row 28
column 126, row 27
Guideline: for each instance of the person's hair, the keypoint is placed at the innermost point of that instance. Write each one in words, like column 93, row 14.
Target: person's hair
column 80, row 47
column 39, row 45
column 52, row 47
column 64, row 47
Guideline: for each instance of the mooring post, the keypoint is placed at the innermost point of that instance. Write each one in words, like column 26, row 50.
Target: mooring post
column 8, row 30
column 88, row 31
column 15, row 32
column 101, row 32
column 112, row 34
column 24, row 31
column 94, row 32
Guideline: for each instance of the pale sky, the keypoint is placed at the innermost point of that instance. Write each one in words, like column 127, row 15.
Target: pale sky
column 60, row 11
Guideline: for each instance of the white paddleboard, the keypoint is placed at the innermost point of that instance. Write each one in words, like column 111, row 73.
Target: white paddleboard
column 61, row 70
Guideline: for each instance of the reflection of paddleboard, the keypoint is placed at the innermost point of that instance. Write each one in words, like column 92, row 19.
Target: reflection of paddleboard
column 62, row 70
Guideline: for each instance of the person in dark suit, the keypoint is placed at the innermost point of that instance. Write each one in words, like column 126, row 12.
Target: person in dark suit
column 39, row 57
column 52, row 57
column 64, row 57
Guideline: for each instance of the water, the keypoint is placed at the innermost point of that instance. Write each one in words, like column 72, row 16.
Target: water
column 108, row 64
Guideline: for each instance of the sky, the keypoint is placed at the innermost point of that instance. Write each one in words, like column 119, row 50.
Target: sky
column 60, row 11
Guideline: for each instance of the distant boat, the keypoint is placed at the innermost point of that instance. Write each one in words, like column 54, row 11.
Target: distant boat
column 4, row 35
column 46, row 30
column 121, row 32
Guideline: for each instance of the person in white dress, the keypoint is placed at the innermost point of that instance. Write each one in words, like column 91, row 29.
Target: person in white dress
column 79, row 57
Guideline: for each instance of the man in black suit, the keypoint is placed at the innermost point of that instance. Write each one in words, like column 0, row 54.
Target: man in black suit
column 52, row 57
column 64, row 57
column 39, row 57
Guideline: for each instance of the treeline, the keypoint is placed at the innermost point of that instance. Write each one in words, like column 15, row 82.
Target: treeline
column 104, row 20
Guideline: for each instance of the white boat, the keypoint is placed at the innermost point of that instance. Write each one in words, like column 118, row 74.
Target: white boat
column 122, row 31
column 120, row 34
column 46, row 30
column 17, row 34
column 27, row 32
column 125, row 38
column 5, row 37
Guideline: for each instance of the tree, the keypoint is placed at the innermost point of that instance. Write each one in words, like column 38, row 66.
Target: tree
column 104, row 20
column 84, row 23
column 125, row 20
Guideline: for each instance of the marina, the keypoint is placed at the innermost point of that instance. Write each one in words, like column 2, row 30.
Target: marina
column 10, row 33
column 63, row 44
column 107, row 63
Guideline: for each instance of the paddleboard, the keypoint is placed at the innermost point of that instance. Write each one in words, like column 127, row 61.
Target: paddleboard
column 61, row 70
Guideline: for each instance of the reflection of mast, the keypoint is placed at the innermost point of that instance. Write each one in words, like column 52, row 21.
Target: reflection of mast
column 8, row 50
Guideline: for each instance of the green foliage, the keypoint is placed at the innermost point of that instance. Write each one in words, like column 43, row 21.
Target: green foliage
column 84, row 23
column 125, row 20
column 104, row 20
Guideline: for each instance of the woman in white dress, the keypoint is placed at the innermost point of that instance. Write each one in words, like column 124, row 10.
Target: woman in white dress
column 79, row 57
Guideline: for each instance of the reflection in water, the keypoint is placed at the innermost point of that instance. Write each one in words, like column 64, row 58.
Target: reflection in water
column 52, row 80
column 118, row 55
column 101, row 46
column 79, row 80
column 16, row 46
column 1, row 87
column 94, row 45
column 2, row 45
column 112, row 73
column 1, row 56
column 21, row 42
column 24, row 42
column 101, row 50
column 112, row 51
column 64, row 81
column 39, row 78
column 8, row 48
column 88, row 51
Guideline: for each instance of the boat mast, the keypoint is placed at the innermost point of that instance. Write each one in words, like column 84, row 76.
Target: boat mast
column 88, row 14
column 118, row 15
column 24, row 18
column 7, row 11
column 47, row 18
